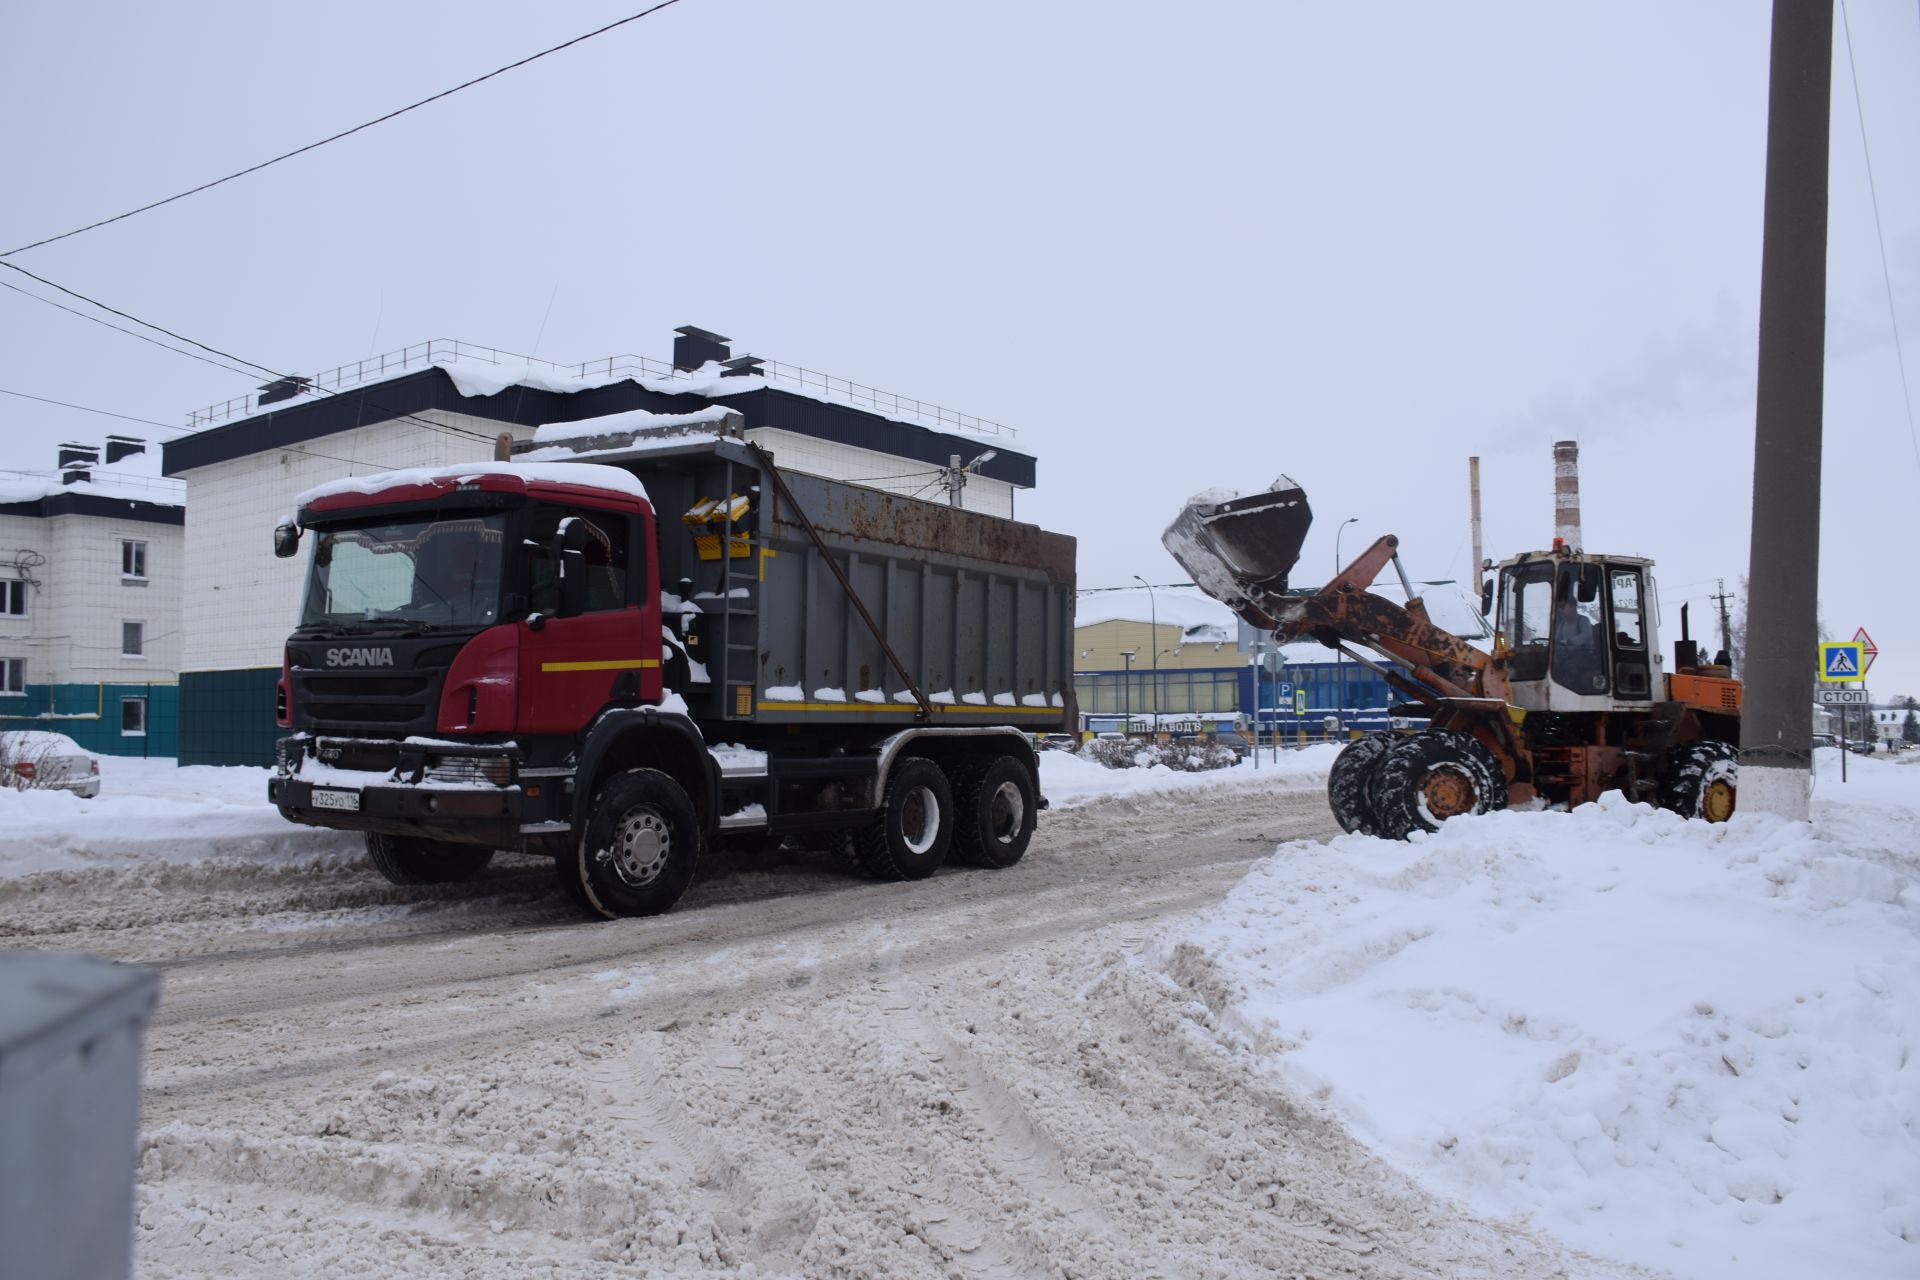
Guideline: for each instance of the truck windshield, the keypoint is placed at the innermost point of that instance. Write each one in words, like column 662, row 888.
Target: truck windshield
column 419, row 574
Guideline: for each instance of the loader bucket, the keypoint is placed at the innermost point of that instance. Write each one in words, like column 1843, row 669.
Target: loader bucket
column 1240, row 550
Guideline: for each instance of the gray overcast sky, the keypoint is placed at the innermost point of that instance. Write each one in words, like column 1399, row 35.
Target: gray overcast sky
column 1177, row 246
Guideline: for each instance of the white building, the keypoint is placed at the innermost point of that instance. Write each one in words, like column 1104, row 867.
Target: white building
column 445, row 402
column 90, row 593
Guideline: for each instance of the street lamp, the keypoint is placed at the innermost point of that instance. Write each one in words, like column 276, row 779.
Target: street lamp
column 1339, row 667
column 1153, row 613
column 1126, row 693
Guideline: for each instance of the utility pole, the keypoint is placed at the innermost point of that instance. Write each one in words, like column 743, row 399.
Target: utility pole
column 1783, row 570
column 1721, row 597
column 1153, row 613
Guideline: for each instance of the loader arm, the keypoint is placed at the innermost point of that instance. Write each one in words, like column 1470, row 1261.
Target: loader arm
column 1345, row 611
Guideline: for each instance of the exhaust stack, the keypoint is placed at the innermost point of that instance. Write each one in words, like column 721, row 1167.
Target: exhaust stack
column 1566, row 492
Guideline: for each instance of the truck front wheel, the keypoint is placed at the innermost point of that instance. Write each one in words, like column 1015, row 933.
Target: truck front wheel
column 639, row 849
column 1421, row 782
column 910, row 838
column 416, row 860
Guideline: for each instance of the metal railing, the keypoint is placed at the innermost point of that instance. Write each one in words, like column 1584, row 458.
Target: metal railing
column 445, row 351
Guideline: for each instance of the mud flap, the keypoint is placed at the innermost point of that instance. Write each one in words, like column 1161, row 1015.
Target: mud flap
column 1240, row 550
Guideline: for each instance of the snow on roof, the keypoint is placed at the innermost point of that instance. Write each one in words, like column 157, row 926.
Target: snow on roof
column 134, row 478
column 591, row 474
column 633, row 420
column 1185, row 607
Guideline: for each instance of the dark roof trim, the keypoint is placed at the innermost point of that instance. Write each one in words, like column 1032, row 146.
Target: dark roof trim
column 526, row 406
column 92, row 504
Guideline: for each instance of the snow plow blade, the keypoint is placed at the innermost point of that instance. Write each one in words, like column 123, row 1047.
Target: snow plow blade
column 1240, row 550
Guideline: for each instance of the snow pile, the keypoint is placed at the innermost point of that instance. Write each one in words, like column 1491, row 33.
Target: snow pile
column 151, row 811
column 633, row 421
column 1686, row 1045
column 1067, row 780
column 591, row 474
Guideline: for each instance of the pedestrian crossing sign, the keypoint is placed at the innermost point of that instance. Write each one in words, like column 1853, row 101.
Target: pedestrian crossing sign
column 1841, row 661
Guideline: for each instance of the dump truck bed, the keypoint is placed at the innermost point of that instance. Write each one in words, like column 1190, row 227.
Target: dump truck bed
column 977, row 609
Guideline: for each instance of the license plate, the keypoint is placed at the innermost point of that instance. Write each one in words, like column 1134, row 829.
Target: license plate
column 324, row 799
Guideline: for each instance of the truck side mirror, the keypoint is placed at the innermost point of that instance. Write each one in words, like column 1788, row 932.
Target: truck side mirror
column 286, row 540
column 1486, row 598
column 1587, row 588
column 569, row 551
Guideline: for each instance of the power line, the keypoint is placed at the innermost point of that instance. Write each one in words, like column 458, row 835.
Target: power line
column 443, row 428
column 345, row 133
column 1893, row 313
column 105, row 413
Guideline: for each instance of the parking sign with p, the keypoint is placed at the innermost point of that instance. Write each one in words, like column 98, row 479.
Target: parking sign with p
column 1841, row 661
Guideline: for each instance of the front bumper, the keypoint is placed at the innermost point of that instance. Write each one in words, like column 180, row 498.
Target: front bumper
column 405, row 799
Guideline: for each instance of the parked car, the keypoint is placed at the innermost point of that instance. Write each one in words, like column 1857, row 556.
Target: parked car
column 1826, row 739
column 35, row 760
column 1234, row 742
column 1056, row 741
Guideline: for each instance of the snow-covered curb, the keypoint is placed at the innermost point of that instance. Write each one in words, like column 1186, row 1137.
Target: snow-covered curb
column 1688, row 1046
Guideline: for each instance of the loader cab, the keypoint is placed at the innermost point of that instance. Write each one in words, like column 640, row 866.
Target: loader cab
column 1578, row 631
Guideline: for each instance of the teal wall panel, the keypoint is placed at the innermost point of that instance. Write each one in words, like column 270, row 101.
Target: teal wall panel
column 226, row 717
column 90, row 715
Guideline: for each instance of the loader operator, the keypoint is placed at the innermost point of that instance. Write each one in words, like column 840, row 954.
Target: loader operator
column 1578, row 662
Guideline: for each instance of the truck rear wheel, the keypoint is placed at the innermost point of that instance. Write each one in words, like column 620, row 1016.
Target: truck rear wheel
column 639, row 849
column 1433, row 776
column 417, row 860
column 1702, row 781
column 910, row 838
column 1350, row 783
column 995, row 813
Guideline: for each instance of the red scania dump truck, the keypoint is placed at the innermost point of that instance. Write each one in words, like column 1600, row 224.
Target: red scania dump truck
column 618, row 651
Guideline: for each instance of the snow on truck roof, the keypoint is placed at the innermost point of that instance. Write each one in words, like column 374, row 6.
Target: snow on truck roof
column 589, row 474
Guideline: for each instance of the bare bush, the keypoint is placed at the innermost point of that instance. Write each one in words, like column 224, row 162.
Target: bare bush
column 1132, row 753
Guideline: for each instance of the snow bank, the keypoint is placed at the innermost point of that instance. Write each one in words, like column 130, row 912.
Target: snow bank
column 1685, row 1045
column 151, row 811
column 1067, row 781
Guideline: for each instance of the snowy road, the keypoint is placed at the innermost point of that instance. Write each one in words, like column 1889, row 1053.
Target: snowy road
column 796, row 1073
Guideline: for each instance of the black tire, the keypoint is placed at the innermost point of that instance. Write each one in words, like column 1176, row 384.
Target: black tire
column 994, row 813
column 1424, row 780
column 1702, row 781
column 639, row 849
column 1350, row 782
column 418, row 860
column 910, row 838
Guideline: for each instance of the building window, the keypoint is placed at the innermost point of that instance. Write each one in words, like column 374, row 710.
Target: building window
column 133, row 717
column 133, row 559
column 133, row 639
column 13, row 677
column 13, row 599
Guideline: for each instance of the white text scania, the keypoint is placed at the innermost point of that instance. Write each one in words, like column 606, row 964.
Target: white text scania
column 360, row 657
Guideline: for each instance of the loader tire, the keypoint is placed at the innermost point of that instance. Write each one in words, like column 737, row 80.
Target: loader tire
column 994, row 813
column 638, row 850
column 417, row 860
column 910, row 837
column 1350, row 782
column 1424, row 780
column 1702, row 781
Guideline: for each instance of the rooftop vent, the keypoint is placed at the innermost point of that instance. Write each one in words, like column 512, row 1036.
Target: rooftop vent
column 119, row 447
column 74, row 472
column 85, row 454
column 283, row 389
column 742, row 367
column 694, row 347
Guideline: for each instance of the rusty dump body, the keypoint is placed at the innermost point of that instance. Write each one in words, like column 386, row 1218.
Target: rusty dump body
column 1635, row 732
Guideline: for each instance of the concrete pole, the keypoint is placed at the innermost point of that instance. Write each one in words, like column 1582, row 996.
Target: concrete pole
column 1473, row 485
column 1783, row 570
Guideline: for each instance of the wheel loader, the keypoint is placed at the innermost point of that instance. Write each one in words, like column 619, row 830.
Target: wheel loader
column 1570, row 702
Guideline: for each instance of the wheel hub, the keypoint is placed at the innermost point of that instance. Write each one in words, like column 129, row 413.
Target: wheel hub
column 920, row 819
column 641, row 847
column 1716, row 804
column 1007, row 813
column 1447, row 793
